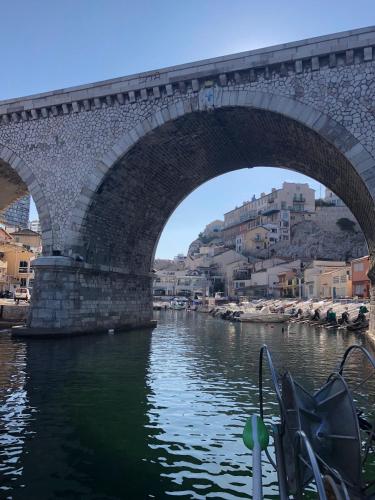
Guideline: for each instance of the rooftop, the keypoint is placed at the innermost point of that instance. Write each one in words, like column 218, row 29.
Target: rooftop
column 25, row 232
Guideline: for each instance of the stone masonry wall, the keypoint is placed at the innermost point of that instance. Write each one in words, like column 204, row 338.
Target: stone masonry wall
column 61, row 143
column 69, row 298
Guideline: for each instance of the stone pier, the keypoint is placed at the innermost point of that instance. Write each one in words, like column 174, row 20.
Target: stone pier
column 71, row 297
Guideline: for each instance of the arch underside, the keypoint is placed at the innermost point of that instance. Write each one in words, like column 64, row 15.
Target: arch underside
column 12, row 186
column 141, row 190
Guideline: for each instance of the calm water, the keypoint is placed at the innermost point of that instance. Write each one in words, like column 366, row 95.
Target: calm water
column 146, row 415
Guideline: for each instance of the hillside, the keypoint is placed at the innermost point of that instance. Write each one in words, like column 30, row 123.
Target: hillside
column 310, row 241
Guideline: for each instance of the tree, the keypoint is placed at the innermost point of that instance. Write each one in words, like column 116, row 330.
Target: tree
column 322, row 203
column 205, row 239
column 218, row 286
column 345, row 224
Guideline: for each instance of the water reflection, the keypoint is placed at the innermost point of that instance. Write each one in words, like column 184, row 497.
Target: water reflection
column 147, row 415
column 14, row 412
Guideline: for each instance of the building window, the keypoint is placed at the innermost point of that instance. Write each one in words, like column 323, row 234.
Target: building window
column 23, row 267
column 358, row 266
column 359, row 289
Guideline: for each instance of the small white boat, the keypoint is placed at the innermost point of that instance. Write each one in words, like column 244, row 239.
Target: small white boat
column 263, row 318
column 178, row 303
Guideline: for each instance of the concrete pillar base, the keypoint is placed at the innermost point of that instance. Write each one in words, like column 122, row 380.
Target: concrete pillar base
column 72, row 297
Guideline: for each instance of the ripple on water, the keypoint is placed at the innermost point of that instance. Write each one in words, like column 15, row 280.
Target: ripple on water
column 141, row 415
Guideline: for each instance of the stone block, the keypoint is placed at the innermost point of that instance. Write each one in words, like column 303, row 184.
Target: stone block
column 120, row 98
column 156, row 92
column 195, row 85
column 367, row 53
column 223, row 79
column 298, row 66
column 349, row 57
column 315, row 63
column 332, row 60
column 182, row 87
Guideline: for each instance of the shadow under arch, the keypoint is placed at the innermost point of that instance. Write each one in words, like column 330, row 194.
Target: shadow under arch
column 160, row 162
column 17, row 179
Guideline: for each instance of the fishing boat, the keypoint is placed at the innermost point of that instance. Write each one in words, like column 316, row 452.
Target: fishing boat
column 264, row 315
column 263, row 318
column 323, row 439
column 358, row 326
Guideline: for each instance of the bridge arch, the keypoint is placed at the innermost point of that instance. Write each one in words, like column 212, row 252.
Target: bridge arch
column 142, row 179
column 16, row 180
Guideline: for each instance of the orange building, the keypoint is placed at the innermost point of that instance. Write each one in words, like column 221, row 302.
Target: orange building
column 360, row 280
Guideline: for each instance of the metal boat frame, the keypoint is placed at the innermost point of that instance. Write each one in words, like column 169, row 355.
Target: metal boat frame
column 318, row 439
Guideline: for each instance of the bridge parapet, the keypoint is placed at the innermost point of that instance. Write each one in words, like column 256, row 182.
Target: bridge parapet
column 310, row 55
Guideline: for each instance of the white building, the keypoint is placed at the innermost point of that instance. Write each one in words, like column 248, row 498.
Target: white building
column 264, row 279
column 172, row 283
column 312, row 274
column 331, row 197
column 35, row 226
column 292, row 196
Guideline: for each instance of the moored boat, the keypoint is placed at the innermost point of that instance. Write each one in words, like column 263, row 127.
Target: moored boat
column 358, row 326
column 178, row 303
column 263, row 317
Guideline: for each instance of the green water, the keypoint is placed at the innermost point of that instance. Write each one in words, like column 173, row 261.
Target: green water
column 148, row 414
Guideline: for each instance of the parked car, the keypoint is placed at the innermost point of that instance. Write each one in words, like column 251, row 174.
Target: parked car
column 21, row 294
column 6, row 295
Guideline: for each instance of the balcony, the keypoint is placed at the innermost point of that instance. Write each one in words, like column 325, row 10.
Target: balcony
column 24, row 270
column 241, row 275
column 271, row 210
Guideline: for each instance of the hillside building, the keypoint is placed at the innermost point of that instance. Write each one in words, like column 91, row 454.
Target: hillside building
column 336, row 283
column 312, row 275
column 360, row 280
column 333, row 199
column 271, row 211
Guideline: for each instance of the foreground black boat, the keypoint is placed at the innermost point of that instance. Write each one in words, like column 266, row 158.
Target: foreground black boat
column 322, row 438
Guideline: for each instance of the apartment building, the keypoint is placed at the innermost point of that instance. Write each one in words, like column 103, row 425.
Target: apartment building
column 184, row 283
column 3, row 276
column 312, row 275
column 336, row 283
column 360, row 280
column 295, row 197
column 271, row 210
column 264, row 279
column 333, row 199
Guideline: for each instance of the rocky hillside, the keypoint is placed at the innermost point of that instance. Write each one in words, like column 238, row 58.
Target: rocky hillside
column 310, row 241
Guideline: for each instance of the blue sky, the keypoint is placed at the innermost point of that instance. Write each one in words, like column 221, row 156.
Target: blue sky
column 50, row 44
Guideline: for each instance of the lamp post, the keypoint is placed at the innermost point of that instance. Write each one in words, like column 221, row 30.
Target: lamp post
column 299, row 277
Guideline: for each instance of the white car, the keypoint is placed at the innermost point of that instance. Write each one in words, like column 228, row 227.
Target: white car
column 21, row 294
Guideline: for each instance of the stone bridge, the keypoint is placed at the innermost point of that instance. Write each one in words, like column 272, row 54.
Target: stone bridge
column 107, row 163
